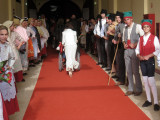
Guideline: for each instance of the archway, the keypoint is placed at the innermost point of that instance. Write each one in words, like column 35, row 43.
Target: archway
column 60, row 9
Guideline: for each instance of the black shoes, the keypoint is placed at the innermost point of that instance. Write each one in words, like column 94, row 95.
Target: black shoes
column 37, row 62
column 146, row 104
column 23, row 80
column 24, row 73
column 107, row 69
column 115, row 76
column 103, row 66
column 32, row 65
column 99, row 63
column 137, row 93
column 156, row 107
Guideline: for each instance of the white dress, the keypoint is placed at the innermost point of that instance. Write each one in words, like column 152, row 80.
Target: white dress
column 45, row 36
column 83, row 33
column 17, row 65
column 24, row 57
column 69, row 40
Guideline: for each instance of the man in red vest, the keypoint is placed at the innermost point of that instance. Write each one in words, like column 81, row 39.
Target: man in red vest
column 148, row 47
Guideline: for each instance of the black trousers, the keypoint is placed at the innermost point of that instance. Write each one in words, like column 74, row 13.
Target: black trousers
column 87, row 41
column 120, row 63
column 89, row 36
column 103, row 52
column 111, row 49
column 148, row 67
column 92, row 43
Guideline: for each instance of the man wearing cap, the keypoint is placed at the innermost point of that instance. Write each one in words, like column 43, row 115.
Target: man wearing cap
column 131, row 34
column 120, row 64
column 148, row 47
column 100, row 27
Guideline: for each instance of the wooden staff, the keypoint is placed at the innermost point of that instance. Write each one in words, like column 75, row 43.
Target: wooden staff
column 113, row 61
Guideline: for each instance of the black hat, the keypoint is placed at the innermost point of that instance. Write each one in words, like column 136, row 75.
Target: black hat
column 119, row 14
column 111, row 17
column 25, row 18
column 103, row 11
column 17, row 17
column 98, row 16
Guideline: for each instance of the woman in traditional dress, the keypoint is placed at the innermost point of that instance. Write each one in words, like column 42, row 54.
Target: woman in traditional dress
column 23, row 51
column 34, row 40
column 40, row 44
column 148, row 47
column 13, row 37
column 8, row 91
column 84, row 30
column 69, row 40
column 44, row 38
column 31, row 36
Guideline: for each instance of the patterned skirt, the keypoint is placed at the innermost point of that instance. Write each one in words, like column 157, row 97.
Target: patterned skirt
column 9, row 95
column 30, row 49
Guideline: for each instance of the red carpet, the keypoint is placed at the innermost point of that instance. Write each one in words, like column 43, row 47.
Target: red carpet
column 85, row 96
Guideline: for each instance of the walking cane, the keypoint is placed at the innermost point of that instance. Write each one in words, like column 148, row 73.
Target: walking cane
column 113, row 62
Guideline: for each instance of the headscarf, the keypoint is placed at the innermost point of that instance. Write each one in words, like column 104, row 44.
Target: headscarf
column 21, row 21
column 24, row 19
column 16, row 21
column 8, row 24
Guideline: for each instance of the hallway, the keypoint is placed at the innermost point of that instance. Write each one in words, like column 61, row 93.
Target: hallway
column 85, row 96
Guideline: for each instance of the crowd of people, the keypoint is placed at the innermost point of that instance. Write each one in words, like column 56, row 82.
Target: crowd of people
column 23, row 44
column 136, row 47
column 133, row 46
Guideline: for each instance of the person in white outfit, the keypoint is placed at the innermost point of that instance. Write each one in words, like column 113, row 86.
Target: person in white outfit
column 69, row 41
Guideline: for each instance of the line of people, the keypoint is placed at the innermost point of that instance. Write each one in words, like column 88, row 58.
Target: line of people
column 136, row 48
column 23, row 44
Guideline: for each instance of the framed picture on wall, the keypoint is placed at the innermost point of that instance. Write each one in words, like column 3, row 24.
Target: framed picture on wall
column 18, row 1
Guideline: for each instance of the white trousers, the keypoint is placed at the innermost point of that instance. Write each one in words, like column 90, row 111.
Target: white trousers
column 70, row 52
column 150, row 86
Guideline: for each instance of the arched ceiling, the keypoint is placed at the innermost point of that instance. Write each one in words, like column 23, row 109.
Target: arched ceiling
column 40, row 3
column 60, row 8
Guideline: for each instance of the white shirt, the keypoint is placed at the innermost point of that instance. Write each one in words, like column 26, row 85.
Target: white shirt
column 96, row 31
column 69, row 37
column 86, row 28
column 138, row 30
column 145, row 39
column 102, row 29
column 30, row 32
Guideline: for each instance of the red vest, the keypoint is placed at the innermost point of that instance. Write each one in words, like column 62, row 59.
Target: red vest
column 149, row 48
